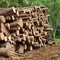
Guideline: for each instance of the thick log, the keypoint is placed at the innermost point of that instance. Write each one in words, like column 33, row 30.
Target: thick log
column 3, row 52
column 8, row 11
column 14, row 29
column 10, row 48
column 15, row 23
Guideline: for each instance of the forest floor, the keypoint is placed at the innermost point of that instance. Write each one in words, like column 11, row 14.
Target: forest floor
column 44, row 53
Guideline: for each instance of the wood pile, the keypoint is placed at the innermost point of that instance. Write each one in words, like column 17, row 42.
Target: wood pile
column 23, row 29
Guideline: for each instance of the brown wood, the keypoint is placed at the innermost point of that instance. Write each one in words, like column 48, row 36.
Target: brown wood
column 4, row 29
column 14, row 29
column 8, row 11
column 15, row 23
column 13, row 34
column 48, row 29
column 9, row 18
column 24, row 28
column 7, row 25
column 3, row 52
column 21, row 49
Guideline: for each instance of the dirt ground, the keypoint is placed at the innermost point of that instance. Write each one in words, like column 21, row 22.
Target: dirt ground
column 44, row 53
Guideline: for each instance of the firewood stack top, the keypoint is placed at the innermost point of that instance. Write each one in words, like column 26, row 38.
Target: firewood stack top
column 25, row 28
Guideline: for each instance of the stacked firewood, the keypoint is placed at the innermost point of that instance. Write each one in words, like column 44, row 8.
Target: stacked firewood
column 25, row 28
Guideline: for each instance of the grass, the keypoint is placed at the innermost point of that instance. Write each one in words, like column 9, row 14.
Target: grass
column 57, row 38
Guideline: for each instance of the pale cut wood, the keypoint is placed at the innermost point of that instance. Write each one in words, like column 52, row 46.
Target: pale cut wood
column 17, row 32
column 5, row 38
column 25, row 47
column 17, row 13
column 1, row 36
column 7, row 25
